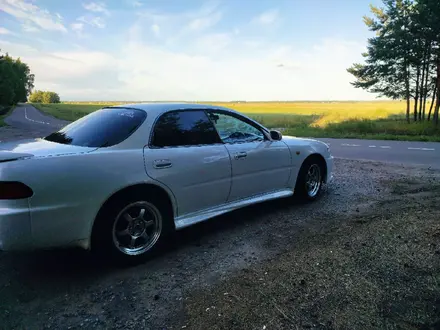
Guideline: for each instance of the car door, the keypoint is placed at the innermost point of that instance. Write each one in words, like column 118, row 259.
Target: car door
column 186, row 154
column 259, row 165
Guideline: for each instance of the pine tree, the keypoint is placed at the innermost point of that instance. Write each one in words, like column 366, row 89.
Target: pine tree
column 403, row 59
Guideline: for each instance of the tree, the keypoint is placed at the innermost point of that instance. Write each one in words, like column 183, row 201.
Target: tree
column 7, row 91
column 403, row 59
column 51, row 97
column 387, row 68
column 44, row 97
column 16, row 80
column 36, row 97
column 429, row 14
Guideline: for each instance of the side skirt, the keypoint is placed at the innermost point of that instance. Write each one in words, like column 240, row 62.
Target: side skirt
column 196, row 217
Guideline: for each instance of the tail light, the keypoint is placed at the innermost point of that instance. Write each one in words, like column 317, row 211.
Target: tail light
column 14, row 190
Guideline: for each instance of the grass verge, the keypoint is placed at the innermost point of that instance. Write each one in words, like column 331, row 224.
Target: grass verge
column 375, row 271
column 362, row 120
column 70, row 112
column 4, row 112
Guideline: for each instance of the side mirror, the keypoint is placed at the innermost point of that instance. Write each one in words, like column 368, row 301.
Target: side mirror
column 276, row 135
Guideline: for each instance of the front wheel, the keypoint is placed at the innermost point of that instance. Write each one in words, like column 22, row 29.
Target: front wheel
column 310, row 179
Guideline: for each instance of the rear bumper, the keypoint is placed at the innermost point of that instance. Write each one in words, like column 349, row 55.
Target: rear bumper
column 15, row 226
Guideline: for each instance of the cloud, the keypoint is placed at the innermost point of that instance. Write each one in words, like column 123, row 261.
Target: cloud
column 135, row 3
column 32, row 16
column 201, row 63
column 209, row 69
column 78, row 27
column 27, row 27
column 268, row 17
column 183, row 23
column 156, row 29
column 212, row 43
column 97, row 7
column 5, row 31
column 205, row 22
column 75, row 74
column 16, row 49
column 91, row 20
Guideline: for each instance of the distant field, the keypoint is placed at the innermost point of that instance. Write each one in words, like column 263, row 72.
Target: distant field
column 372, row 120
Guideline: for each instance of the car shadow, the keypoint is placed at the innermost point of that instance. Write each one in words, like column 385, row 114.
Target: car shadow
column 55, row 268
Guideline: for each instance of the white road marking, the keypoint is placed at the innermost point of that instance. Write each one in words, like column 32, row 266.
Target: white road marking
column 35, row 121
column 385, row 147
column 425, row 149
column 350, row 145
column 371, row 146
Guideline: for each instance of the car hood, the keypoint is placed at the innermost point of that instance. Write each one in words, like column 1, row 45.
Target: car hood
column 38, row 148
column 288, row 138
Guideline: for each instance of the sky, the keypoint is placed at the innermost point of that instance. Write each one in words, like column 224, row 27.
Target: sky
column 190, row 50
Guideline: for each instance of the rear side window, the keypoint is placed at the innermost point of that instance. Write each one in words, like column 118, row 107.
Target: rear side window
column 184, row 128
column 102, row 128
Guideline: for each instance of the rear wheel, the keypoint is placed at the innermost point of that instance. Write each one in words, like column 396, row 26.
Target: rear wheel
column 131, row 230
column 310, row 179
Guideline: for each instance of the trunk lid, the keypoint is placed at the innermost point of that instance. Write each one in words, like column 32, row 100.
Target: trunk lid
column 37, row 148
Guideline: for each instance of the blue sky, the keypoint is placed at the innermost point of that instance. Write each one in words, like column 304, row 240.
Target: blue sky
column 189, row 49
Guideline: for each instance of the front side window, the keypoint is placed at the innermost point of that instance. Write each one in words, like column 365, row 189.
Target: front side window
column 184, row 128
column 102, row 128
column 234, row 130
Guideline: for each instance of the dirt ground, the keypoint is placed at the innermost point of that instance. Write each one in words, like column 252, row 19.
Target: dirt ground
column 365, row 256
column 376, row 268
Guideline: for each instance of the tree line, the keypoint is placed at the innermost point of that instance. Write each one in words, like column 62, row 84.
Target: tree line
column 402, row 60
column 44, row 97
column 17, row 82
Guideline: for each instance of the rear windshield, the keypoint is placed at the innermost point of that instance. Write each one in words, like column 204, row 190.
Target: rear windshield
column 102, row 128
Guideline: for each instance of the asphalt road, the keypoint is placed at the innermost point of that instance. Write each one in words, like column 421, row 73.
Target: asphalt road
column 400, row 152
column 26, row 117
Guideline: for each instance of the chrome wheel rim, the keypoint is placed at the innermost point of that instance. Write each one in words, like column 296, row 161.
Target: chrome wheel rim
column 137, row 228
column 313, row 180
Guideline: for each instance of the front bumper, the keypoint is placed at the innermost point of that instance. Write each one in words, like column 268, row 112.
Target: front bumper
column 329, row 177
column 15, row 225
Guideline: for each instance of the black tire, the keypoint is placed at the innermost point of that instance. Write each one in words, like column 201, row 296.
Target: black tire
column 110, row 224
column 302, row 188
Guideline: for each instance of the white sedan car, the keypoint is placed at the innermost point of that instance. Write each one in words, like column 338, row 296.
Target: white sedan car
column 121, row 179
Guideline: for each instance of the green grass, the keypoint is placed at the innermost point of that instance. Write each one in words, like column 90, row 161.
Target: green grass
column 384, row 120
column 65, row 111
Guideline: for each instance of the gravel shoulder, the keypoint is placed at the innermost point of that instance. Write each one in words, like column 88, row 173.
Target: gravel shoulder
column 376, row 267
column 366, row 255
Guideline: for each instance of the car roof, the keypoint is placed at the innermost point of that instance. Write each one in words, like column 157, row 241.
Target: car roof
column 168, row 106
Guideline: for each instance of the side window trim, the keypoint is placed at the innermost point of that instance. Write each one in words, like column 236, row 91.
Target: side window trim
column 151, row 135
column 239, row 117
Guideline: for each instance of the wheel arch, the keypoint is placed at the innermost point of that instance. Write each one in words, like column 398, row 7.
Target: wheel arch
column 141, row 189
column 321, row 160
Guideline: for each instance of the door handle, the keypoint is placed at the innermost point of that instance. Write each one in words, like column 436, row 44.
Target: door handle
column 241, row 154
column 162, row 163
